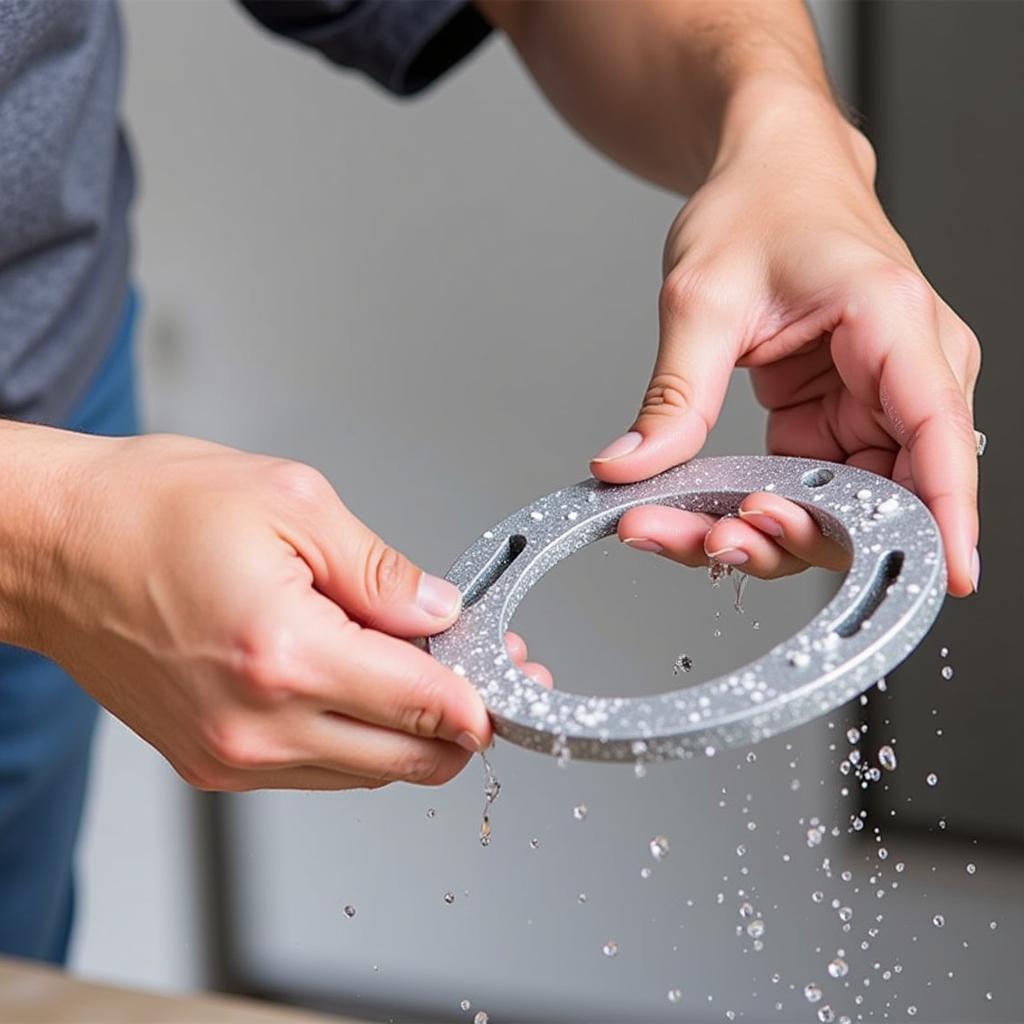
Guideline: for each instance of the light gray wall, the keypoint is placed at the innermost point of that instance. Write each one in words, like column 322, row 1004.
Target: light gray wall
column 447, row 306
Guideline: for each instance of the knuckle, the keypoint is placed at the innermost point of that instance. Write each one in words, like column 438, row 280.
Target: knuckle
column 265, row 660
column 419, row 766
column 687, row 291
column 907, row 287
column 298, row 483
column 425, row 715
column 667, row 394
column 385, row 574
column 233, row 744
column 206, row 777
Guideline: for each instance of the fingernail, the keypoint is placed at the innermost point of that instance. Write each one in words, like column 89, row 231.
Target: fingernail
column 729, row 556
column 469, row 742
column 643, row 544
column 619, row 447
column 975, row 569
column 438, row 597
column 762, row 521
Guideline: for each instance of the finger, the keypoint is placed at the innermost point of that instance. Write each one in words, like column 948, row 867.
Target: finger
column 886, row 352
column 342, row 744
column 376, row 584
column 516, row 647
column 372, row 677
column 732, row 542
column 302, row 778
column 539, row 674
column 792, row 529
column 696, row 355
column 672, row 532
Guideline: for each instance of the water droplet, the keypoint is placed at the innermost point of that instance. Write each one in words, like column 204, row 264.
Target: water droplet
column 645, row 873
column 838, row 968
column 818, row 896
column 911, row 1011
column 947, row 672
column 675, row 994
column 449, row 898
column 863, row 494
column 610, row 948
column 579, row 812
column 887, row 758
column 939, row 921
column 812, row 993
column 465, row 1005
column 993, row 925
column 536, row 516
column 741, row 850
column 932, row 779
column 755, row 624
column 845, row 914
column 826, row 1014
column 971, row 868
column 481, row 1018
column 659, row 847
column 853, row 736
column 756, row 928
column 683, row 663
column 350, row 911
column 582, row 898
column 431, row 812
column 944, row 652
column 534, row 843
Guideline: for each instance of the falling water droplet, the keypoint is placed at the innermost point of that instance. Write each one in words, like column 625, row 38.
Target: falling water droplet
column 853, row 736
column 683, row 663
column 971, row 868
column 939, row 921
column 812, row 993
column 887, row 758
column 610, row 948
column 465, row 1005
column 947, row 672
column 826, row 1014
column 534, row 843
column 350, row 911
column 932, row 779
column 579, row 812
column 431, row 812
column 838, row 968
column 756, row 928
column 675, row 994
column 481, row 1018
column 659, row 847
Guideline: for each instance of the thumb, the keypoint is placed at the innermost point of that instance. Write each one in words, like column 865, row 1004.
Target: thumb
column 378, row 586
column 696, row 356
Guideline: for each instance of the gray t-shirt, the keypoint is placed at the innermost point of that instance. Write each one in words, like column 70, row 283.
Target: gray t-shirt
column 66, row 178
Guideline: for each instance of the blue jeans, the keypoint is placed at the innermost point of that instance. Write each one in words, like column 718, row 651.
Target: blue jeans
column 46, row 727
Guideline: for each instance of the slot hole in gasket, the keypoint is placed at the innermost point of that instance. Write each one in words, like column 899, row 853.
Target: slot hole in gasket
column 886, row 573
column 496, row 567
column 817, row 477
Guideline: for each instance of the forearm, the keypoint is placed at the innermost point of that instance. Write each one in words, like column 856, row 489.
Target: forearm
column 37, row 468
column 664, row 87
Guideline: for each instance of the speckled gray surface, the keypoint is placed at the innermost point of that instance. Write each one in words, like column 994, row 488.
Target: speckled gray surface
column 888, row 601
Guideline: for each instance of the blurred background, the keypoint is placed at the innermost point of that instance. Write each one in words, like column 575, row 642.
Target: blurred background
column 447, row 305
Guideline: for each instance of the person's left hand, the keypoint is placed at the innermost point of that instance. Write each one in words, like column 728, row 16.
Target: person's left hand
column 784, row 262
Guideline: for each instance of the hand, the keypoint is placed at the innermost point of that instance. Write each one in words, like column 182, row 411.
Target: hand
column 784, row 262
column 230, row 610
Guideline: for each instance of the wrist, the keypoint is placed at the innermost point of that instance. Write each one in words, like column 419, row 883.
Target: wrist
column 770, row 119
column 40, row 472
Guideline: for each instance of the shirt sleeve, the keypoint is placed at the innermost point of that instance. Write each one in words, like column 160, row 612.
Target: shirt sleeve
column 404, row 45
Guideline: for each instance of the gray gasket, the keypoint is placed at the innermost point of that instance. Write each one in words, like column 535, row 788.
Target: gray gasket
column 888, row 601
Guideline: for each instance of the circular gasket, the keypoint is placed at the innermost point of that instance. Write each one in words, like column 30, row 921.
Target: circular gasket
column 889, row 599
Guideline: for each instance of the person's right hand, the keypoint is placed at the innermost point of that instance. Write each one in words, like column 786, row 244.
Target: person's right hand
column 231, row 611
